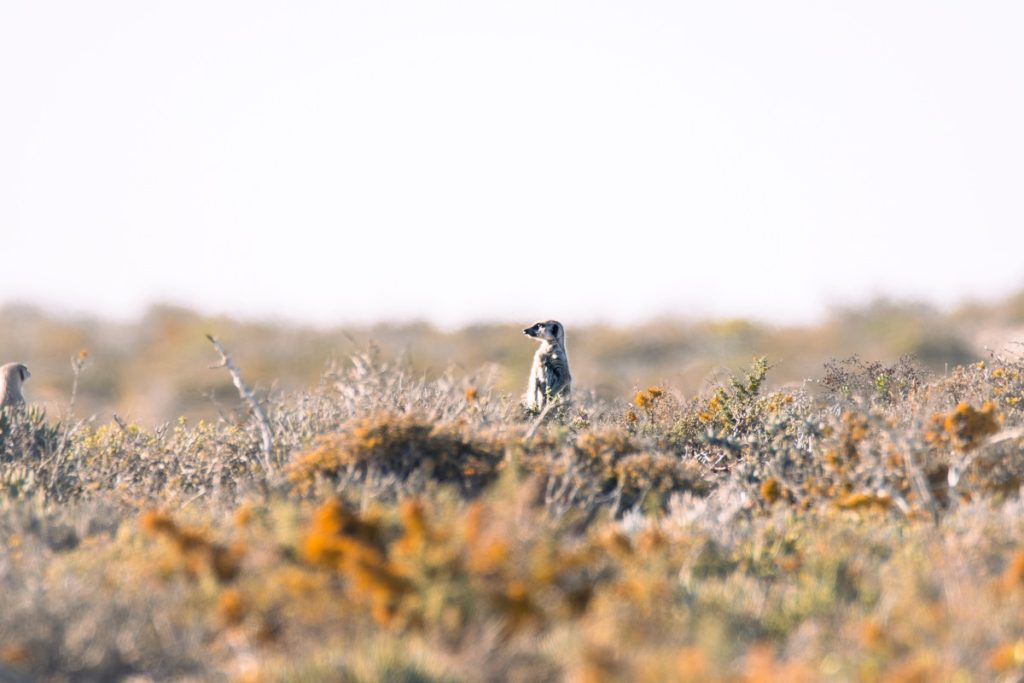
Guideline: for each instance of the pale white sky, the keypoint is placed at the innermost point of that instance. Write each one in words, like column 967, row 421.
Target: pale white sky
column 350, row 161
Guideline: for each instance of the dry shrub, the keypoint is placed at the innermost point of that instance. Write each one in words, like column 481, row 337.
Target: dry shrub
column 409, row 527
column 389, row 445
column 199, row 554
column 964, row 427
column 421, row 573
column 657, row 474
column 855, row 379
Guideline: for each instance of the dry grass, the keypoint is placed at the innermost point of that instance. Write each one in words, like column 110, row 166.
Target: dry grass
column 412, row 526
column 156, row 369
column 413, row 529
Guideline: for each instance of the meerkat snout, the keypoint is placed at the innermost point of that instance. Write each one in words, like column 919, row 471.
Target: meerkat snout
column 549, row 377
column 12, row 376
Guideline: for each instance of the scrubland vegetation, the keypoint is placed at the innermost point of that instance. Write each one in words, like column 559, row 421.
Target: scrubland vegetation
column 155, row 369
column 863, row 526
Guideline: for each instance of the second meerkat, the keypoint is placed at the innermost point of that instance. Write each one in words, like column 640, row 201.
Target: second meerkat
column 12, row 376
column 550, row 378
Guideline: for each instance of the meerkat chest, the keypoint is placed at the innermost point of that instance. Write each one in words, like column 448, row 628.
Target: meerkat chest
column 545, row 356
column 546, row 360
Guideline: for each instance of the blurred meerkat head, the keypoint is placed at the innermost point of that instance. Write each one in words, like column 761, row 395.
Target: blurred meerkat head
column 12, row 376
column 550, row 331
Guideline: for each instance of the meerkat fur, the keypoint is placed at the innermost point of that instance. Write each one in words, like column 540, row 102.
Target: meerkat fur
column 550, row 379
column 12, row 376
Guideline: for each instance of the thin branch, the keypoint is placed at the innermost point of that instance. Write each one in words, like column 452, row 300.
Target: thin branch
column 540, row 420
column 122, row 424
column 77, row 363
column 957, row 469
column 248, row 397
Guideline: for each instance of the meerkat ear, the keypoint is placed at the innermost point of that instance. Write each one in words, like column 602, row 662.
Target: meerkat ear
column 556, row 329
column 23, row 372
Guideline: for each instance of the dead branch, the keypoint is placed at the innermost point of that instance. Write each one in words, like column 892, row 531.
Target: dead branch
column 248, row 397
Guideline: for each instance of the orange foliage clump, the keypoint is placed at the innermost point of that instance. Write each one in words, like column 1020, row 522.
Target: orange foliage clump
column 964, row 427
column 864, row 501
column 199, row 553
column 771, row 490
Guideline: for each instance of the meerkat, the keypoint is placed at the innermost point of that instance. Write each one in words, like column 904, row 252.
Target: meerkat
column 12, row 376
column 550, row 378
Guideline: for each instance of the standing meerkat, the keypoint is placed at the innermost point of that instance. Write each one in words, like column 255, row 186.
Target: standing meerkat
column 549, row 377
column 12, row 376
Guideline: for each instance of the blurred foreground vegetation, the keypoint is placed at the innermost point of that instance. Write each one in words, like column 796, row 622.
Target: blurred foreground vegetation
column 419, row 526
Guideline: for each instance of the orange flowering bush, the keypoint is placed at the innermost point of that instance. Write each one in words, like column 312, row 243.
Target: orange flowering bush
column 389, row 444
column 416, row 575
column 197, row 552
column 964, row 427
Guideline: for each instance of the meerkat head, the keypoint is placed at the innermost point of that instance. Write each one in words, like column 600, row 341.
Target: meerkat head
column 12, row 376
column 549, row 331
column 18, row 372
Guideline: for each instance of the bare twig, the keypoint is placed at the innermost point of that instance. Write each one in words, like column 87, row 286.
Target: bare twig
column 957, row 469
column 77, row 363
column 248, row 397
column 122, row 424
column 540, row 420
